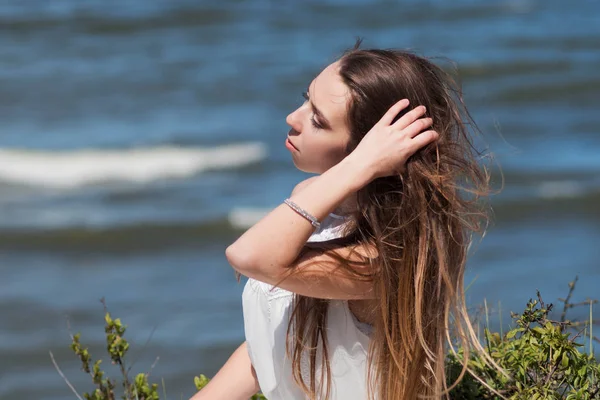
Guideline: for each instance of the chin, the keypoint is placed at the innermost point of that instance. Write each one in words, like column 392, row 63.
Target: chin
column 309, row 169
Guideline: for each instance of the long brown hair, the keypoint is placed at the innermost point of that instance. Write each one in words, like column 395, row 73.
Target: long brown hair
column 420, row 221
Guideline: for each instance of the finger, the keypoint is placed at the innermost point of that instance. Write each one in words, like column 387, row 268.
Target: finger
column 423, row 139
column 417, row 126
column 389, row 116
column 410, row 117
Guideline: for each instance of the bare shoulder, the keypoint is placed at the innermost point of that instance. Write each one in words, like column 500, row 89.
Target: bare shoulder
column 302, row 184
column 319, row 273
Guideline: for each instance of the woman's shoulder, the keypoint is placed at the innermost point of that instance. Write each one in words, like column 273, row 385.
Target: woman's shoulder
column 302, row 184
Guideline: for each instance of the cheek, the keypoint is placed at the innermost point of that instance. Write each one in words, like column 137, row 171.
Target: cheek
column 335, row 154
column 323, row 155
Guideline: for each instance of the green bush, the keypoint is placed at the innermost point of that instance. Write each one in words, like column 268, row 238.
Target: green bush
column 137, row 389
column 540, row 359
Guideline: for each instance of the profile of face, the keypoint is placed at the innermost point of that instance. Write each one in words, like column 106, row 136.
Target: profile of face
column 320, row 135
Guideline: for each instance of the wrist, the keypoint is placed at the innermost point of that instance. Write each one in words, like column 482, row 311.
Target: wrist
column 361, row 176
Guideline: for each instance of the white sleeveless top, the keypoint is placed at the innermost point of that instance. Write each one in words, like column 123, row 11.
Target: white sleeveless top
column 267, row 311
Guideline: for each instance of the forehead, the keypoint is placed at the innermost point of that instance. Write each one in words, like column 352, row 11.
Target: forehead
column 330, row 95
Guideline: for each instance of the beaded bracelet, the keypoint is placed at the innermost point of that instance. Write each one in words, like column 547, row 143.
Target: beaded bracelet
column 302, row 212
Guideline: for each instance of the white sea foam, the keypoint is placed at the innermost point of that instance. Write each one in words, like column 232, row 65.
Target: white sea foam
column 561, row 189
column 244, row 218
column 67, row 169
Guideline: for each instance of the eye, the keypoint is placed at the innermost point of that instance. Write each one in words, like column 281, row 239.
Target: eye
column 315, row 123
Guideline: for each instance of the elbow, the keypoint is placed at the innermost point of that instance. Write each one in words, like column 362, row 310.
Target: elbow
column 240, row 260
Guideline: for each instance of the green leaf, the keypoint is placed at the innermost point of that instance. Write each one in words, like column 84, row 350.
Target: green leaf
column 511, row 334
column 200, row 381
column 540, row 330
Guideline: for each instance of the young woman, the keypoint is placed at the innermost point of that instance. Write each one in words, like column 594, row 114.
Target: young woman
column 361, row 305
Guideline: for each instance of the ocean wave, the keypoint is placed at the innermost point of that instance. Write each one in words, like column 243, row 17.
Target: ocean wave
column 512, row 68
column 584, row 90
column 137, row 237
column 244, row 218
column 549, row 200
column 69, row 169
column 100, row 22
column 563, row 189
column 128, row 19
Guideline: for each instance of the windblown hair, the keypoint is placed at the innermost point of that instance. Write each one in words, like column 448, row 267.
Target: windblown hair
column 421, row 221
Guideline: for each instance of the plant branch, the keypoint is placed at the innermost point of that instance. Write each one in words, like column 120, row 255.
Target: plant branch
column 143, row 348
column 152, row 366
column 64, row 377
column 566, row 301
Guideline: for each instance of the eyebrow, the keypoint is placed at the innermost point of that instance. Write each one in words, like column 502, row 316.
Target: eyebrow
column 322, row 120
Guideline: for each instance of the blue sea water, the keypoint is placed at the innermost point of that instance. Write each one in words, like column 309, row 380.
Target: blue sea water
column 138, row 139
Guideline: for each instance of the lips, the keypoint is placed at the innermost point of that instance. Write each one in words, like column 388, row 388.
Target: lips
column 288, row 139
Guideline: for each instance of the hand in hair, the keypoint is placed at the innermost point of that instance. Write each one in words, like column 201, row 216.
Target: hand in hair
column 385, row 149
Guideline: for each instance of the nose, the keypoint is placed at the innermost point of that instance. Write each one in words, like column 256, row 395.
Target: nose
column 294, row 121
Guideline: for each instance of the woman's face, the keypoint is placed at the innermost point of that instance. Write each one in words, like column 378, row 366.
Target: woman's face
column 319, row 133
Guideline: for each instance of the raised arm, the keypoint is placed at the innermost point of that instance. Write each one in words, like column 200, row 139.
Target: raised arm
column 266, row 250
column 269, row 248
column 236, row 380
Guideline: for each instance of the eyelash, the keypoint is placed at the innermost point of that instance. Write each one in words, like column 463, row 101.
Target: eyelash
column 314, row 122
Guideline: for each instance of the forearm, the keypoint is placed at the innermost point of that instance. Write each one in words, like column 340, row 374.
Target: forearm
column 236, row 380
column 277, row 239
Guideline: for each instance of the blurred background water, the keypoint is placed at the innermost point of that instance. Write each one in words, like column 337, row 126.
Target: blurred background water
column 139, row 138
